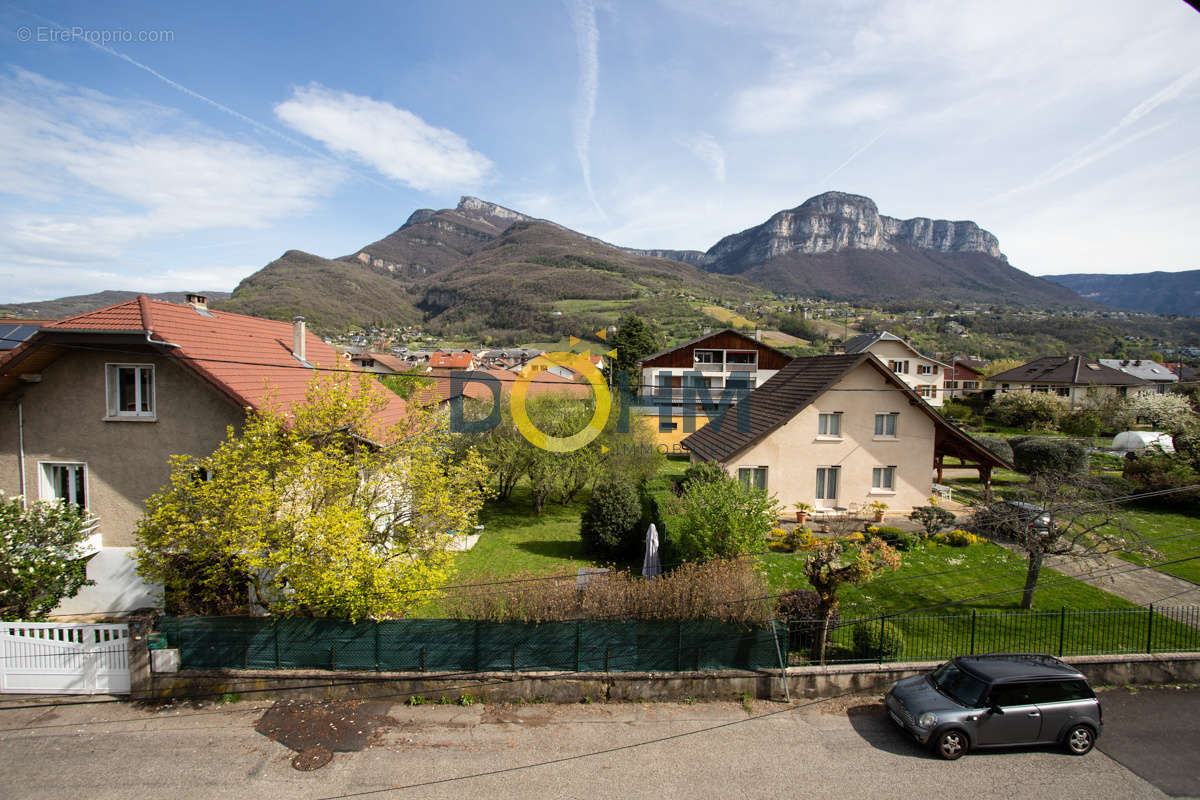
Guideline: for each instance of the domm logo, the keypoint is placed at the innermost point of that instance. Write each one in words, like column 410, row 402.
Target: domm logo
column 694, row 394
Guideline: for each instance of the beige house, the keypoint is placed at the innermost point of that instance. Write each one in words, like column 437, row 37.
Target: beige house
column 924, row 374
column 1079, row 380
column 838, row 432
column 91, row 408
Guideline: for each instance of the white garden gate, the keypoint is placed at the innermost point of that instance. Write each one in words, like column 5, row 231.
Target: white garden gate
column 61, row 658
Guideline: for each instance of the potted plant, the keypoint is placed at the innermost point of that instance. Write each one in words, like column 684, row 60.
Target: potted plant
column 877, row 507
column 802, row 511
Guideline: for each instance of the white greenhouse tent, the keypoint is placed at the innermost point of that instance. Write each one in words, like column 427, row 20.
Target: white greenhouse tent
column 1130, row 441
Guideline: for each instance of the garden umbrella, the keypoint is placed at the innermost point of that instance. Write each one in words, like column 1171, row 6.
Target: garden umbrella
column 650, row 564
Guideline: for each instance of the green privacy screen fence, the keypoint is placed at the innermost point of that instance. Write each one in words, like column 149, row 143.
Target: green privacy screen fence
column 442, row 645
column 445, row 645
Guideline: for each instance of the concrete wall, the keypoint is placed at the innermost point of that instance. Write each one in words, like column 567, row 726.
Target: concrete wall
column 803, row 682
column 117, row 588
column 794, row 451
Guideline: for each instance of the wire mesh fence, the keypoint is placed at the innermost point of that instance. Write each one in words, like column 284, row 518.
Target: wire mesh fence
column 1064, row 633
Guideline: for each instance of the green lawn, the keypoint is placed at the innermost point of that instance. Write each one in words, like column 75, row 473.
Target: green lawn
column 1174, row 535
column 987, row 579
column 967, row 487
column 515, row 540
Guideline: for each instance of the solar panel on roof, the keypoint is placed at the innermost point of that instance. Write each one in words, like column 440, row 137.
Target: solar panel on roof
column 12, row 336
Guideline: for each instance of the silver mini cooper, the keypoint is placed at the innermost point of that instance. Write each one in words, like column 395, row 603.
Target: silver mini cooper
column 995, row 701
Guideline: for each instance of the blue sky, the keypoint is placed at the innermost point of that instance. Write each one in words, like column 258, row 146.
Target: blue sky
column 155, row 147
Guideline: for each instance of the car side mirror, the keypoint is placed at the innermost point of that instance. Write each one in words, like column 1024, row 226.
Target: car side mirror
column 995, row 709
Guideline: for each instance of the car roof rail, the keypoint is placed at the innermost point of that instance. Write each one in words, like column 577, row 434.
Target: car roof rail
column 1036, row 658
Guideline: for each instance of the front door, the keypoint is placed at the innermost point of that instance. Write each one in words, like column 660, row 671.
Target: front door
column 827, row 486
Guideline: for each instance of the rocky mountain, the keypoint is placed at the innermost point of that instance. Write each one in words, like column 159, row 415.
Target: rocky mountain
column 839, row 245
column 482, row 269
column 1155, row 292
column 78, row 304
column 477, row 269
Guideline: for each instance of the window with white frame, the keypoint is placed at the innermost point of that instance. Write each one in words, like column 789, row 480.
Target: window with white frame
column 66, row 482
column 926, row 369
column 827, row 483
column 753, row 477
column 885, row 424
column 830, row 424
column 927, row 390
column 900, row 367
column 130, row 391
column 883, row 479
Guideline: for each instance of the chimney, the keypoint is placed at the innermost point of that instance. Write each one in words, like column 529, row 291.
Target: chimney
column 198, row 302
column 757, row 335
column 298, row 338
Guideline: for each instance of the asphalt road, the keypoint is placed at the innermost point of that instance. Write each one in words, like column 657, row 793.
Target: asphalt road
column 845, row 748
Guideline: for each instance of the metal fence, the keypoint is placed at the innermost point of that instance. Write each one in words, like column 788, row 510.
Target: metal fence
column 443, row 645
column 1063, row 632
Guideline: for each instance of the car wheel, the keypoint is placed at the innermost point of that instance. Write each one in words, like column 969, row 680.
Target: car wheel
column 950, row 744
column 1080, row 740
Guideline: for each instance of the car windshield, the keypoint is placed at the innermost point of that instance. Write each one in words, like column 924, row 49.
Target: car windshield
column 961, row 687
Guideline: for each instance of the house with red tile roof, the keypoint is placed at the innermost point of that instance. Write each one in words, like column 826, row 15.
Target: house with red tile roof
column 463, row 360
column 92, row 406
column 475, row 384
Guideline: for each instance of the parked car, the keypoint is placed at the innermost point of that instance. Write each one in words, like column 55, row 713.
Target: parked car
column 997, row 700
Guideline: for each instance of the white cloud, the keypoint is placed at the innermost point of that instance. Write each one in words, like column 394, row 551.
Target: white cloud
column 85, row 176
column 396, row 142
column 915, row 59
column 706, row 148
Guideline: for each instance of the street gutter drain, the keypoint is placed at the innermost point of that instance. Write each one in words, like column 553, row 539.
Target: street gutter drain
column 312, row 758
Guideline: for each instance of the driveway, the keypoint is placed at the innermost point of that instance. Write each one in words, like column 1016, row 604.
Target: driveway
column 843, row 748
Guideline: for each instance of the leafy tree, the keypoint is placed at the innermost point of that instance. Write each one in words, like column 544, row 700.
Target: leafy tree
column 1029, row 410
column 1170, row 412
column 933, row 519
column 996, row 366
column 1065, row 515
column 997, row 446
column 42, row 561
column 828, row 570
column 609, row 525
column 313, row 516
column 1081, row 422
column 1154, row 471
column 720, row 519
column 1036, row 455
column 634, row 340
column 406, row 383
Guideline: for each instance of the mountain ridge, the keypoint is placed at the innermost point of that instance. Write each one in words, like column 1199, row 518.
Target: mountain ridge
column 1156, row 292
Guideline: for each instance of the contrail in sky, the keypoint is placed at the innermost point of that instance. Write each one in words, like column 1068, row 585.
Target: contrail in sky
column 583, row 18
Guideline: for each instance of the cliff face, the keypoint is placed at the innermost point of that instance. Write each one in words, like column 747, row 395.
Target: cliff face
column 836, row 221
